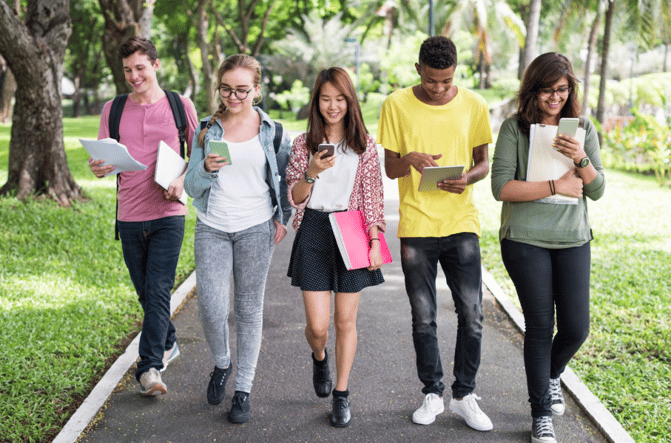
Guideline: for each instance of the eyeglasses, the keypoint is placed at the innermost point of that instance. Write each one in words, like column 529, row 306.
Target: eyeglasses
column 547, row 92
column 240, row 94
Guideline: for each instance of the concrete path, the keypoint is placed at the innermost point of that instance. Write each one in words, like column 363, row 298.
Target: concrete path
column 384, row 386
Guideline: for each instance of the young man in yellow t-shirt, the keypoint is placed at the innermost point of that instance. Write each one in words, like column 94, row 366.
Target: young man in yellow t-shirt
column 436, row 123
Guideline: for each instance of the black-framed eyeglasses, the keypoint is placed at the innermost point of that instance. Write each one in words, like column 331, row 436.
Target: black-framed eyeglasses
column 240, row 94
column 547, row 92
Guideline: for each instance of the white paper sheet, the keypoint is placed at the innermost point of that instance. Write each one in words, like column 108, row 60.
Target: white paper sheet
column 547, row 164
column 114, row 153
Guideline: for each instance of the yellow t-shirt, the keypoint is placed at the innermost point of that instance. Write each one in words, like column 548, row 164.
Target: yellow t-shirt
column 453, row 129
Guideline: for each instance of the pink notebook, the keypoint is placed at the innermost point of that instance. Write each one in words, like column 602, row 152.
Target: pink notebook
column 352, row 239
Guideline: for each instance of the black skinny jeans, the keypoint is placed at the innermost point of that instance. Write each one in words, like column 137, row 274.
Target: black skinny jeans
column 545, row 279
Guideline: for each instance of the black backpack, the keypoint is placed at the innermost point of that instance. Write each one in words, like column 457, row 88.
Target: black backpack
column 115, row 118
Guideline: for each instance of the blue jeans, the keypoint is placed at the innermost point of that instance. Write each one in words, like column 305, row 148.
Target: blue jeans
column 243, row 257
column 459, row 256
column 151, row 251
column 545, row 279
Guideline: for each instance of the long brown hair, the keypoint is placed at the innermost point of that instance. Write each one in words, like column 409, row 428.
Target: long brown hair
column 546, row 70
column 232, row 62
column 355, row 129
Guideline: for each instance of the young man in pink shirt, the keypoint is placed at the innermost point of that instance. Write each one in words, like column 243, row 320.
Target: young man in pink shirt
column 150, row 219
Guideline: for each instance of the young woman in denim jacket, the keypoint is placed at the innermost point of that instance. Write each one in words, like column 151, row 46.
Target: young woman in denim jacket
column 242, row 212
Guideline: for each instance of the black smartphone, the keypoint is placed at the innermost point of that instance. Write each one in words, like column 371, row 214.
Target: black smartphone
column 328, row 147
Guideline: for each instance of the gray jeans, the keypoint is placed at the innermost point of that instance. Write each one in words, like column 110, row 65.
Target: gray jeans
column 244, row 255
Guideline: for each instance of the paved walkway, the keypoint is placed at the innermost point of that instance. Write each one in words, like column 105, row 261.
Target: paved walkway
column 384, row 386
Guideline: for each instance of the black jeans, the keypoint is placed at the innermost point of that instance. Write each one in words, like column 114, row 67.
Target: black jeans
column 545, row 279
column 459, row 256
column 151, row 250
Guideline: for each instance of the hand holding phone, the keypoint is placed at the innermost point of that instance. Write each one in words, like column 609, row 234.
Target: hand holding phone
column 568, row 126
column 328, row 147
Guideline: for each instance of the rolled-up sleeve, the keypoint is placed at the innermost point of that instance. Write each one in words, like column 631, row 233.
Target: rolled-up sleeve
column 596, row 188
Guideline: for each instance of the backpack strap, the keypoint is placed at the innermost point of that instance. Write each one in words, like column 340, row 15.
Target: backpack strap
column 277, row 141
column 114, row 120
column 180, row 118
column 115, row 115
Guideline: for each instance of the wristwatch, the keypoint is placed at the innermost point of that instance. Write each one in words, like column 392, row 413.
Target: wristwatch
column 582, row 163
column 309, row 179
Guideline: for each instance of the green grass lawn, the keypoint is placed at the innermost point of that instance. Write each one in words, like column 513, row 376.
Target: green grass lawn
column 67, row 306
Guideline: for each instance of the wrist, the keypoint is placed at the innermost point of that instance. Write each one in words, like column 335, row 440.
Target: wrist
column 310, row 178
column 373, row 241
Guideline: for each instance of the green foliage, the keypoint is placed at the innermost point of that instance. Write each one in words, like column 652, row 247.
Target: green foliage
column 643, row 145
column 66, row 301
column 294, row 98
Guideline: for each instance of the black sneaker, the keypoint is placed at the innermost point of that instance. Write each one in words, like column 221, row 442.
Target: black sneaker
column 217, row 387
column 321, row 376
column 542, row 430
column 240, row 409
column 341, row 416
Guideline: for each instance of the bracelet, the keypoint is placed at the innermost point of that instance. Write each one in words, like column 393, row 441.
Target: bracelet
column 370, row 242
column 552, row 187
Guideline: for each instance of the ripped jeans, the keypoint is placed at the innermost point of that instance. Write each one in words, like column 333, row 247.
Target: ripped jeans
column 459, row 256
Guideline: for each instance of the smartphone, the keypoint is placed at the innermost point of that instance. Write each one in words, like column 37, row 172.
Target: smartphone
column 221, row 148
column 328, row 147
column 568, row 126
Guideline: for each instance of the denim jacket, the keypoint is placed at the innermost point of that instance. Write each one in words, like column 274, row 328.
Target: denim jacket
column 198, row 181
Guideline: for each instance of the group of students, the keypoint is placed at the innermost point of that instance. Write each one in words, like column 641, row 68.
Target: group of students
column 244, row 205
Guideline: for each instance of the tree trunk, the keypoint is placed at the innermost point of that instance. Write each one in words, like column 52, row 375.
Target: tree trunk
column 531, row 42
column 7, row 88
column 591, row 50
column 201, row 22
column 600, row 110
column 122, row 21
column 35, row 53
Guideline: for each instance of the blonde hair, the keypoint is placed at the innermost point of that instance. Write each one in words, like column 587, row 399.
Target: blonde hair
column 234, row 61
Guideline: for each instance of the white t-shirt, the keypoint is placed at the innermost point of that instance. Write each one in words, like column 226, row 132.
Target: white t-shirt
column 240, row 196
column 332, row 190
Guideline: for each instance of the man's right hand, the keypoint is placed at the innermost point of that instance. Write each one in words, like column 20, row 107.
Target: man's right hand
column 420, row 160
column 99, row 170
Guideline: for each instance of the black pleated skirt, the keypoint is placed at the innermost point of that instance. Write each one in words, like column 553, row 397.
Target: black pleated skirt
column 316, row 263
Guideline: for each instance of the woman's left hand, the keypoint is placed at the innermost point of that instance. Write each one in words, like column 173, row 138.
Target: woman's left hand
column 280, row 231
column 570, row 147
column 375, row 256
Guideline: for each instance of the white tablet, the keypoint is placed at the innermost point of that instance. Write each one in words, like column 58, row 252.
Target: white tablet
column 434, row 174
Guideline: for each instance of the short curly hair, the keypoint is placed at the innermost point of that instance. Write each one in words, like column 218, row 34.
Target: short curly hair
column 438, row 52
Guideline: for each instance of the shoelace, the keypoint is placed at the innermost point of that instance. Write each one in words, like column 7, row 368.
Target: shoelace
column 340, row 402
column 221, row 375
column 555, row 390
column 544, row 427
column 239, row 400
column 471, row 402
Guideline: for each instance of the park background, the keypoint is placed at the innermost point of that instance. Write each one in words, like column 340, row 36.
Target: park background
column 67, row 307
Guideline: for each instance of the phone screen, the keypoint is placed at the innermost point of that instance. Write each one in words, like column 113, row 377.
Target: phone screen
column 328, row 147
column 568, row 126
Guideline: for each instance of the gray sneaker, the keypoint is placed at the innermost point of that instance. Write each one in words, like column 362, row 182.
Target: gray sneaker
column 556, row 397
column 151, row 384
column 542, row 430
column 169, row 356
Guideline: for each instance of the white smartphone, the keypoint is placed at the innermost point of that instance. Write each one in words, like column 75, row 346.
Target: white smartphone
column 328, row 147
column 568, row 126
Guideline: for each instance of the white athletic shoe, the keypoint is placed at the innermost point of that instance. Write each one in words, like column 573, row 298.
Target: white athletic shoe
column 468, row 409
column 151, row 383
column 426, row 414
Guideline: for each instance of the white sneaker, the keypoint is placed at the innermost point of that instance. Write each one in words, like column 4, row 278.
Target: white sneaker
column 468, row 409
column 556, row 397
column 426, row 414
column 169, row 356
column 151, row 384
